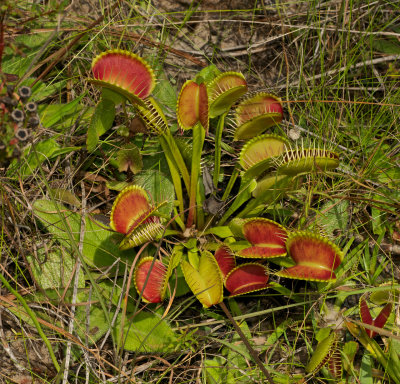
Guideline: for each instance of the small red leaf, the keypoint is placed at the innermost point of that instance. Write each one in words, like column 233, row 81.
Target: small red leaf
column 246, row 278
column 124, row 70
column 366, row 317
column 384, row 314
column 225, row 259
column 268, row 238
column 154, row 289
column 379, row 321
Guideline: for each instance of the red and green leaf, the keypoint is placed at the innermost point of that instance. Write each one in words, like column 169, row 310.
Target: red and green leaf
column 300, row 160
column 322, row 353
column 316, row 257
column 257, row 113
column 255, row 156
column 267, row 238
column 225, row 259
column 246, row 278
column 152, row 116
column 192, row 107
column 125, row 73
column 133, row 216
column 224, row 90
column 129, row 207
column 151, row 277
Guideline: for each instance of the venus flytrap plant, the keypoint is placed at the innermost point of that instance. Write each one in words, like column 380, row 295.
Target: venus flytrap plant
column 267, row 163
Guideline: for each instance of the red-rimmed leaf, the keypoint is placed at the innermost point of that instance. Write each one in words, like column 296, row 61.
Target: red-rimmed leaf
column 206, row 281
column 261, row 148
column 268, row 238
column 224, row 90
column 256, row 114
column 379, row 321
column 192, row 105
column 246, row 278
column 316, row 257
column 154, row 290
column 225, row 259
column 129, row 207
column 125, row 73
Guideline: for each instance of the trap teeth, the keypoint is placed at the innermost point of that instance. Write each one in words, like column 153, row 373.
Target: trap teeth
column 299, row 160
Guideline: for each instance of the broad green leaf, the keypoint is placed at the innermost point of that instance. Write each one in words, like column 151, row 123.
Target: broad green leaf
column 209, row 73
column 53, row 269
column 42, row 90
column 215, row 371
column 366, row 369
column 100, row 246
column 334, row 215
column 101, row 122
column 65, row 196
column 18, row 64
column 386, row 45
column 45, row 150
column 165, row 93
column 129, row 157
column 159, row 188
column 349, row 352
column 56, row 113
column 147, row 332
column 223, row 231
column 90, row 321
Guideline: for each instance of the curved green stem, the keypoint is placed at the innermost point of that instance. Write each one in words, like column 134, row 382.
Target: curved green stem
column 217, row 154
column 173, row 169
column 168, row 143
